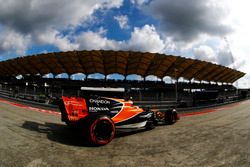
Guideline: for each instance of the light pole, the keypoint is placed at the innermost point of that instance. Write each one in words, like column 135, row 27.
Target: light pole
column 25, row 90
column 45, row 87
column 176, row 86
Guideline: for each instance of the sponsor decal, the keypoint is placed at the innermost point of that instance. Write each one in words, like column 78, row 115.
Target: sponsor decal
column 97, row 109
column 67, row 103
column 99, row 101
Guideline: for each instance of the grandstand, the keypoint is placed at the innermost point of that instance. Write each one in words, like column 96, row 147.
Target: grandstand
column 213, row 83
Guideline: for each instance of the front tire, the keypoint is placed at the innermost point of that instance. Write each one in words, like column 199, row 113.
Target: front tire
column 171, row 117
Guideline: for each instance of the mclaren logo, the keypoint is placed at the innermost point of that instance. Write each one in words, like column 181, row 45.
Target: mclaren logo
column 99, row 101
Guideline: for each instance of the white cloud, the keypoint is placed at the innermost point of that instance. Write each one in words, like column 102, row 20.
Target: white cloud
column 243, row 82
column 11, row 41
column 201, row 36
column 186, row 23
column 139, row 2
column 220, row 55
column 225, row 58
column 204, row 53
column 43, row 23
column 55, row 38
column 112, row 3
column 31, row 22
column 96, row 40
column 239, row 40
column 27, row 16
column 146, row 39
column 122, row 21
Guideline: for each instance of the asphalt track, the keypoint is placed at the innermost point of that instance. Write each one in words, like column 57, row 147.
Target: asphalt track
column 215, row 137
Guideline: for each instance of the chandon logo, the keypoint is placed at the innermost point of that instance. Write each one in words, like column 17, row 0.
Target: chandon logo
column 99, row 101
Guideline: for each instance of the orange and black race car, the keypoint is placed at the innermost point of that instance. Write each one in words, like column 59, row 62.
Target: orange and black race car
column 100, row 117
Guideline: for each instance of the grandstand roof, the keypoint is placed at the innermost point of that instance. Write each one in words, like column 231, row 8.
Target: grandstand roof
column 122, row 62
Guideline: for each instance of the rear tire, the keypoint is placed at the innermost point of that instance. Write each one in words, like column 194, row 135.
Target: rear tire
column 101, row 130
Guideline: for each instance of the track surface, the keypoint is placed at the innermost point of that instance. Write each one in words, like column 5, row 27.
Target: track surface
column 30, row 138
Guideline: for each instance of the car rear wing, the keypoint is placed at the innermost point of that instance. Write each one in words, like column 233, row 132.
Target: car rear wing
column 73, row 108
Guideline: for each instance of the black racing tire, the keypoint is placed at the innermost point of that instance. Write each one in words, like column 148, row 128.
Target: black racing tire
column 174, row 117
column 101, row 130
column 150, row 125
column 169, row 117
column 151, row 122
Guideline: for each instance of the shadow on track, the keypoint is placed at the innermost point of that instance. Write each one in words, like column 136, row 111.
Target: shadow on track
column 58, row 133
column 63, row 134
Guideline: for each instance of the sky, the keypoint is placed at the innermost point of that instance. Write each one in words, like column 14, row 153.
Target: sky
column 210, row 30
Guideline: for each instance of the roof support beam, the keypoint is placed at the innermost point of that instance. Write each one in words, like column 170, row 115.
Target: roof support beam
column 33, row 65
column 222, row 75
column 172, row 67
column 236, row 78
column 216, row 73
column 80, row 62
column 148, row 68
column 59, row 62
column 198, row 71
column 16, row 65
column 227, row 78
column 187, row 69
column 5, row 68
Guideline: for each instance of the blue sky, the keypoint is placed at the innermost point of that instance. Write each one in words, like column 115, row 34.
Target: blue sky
column 205, row 30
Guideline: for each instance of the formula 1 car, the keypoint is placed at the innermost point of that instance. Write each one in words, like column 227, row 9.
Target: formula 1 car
column 100, row 117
